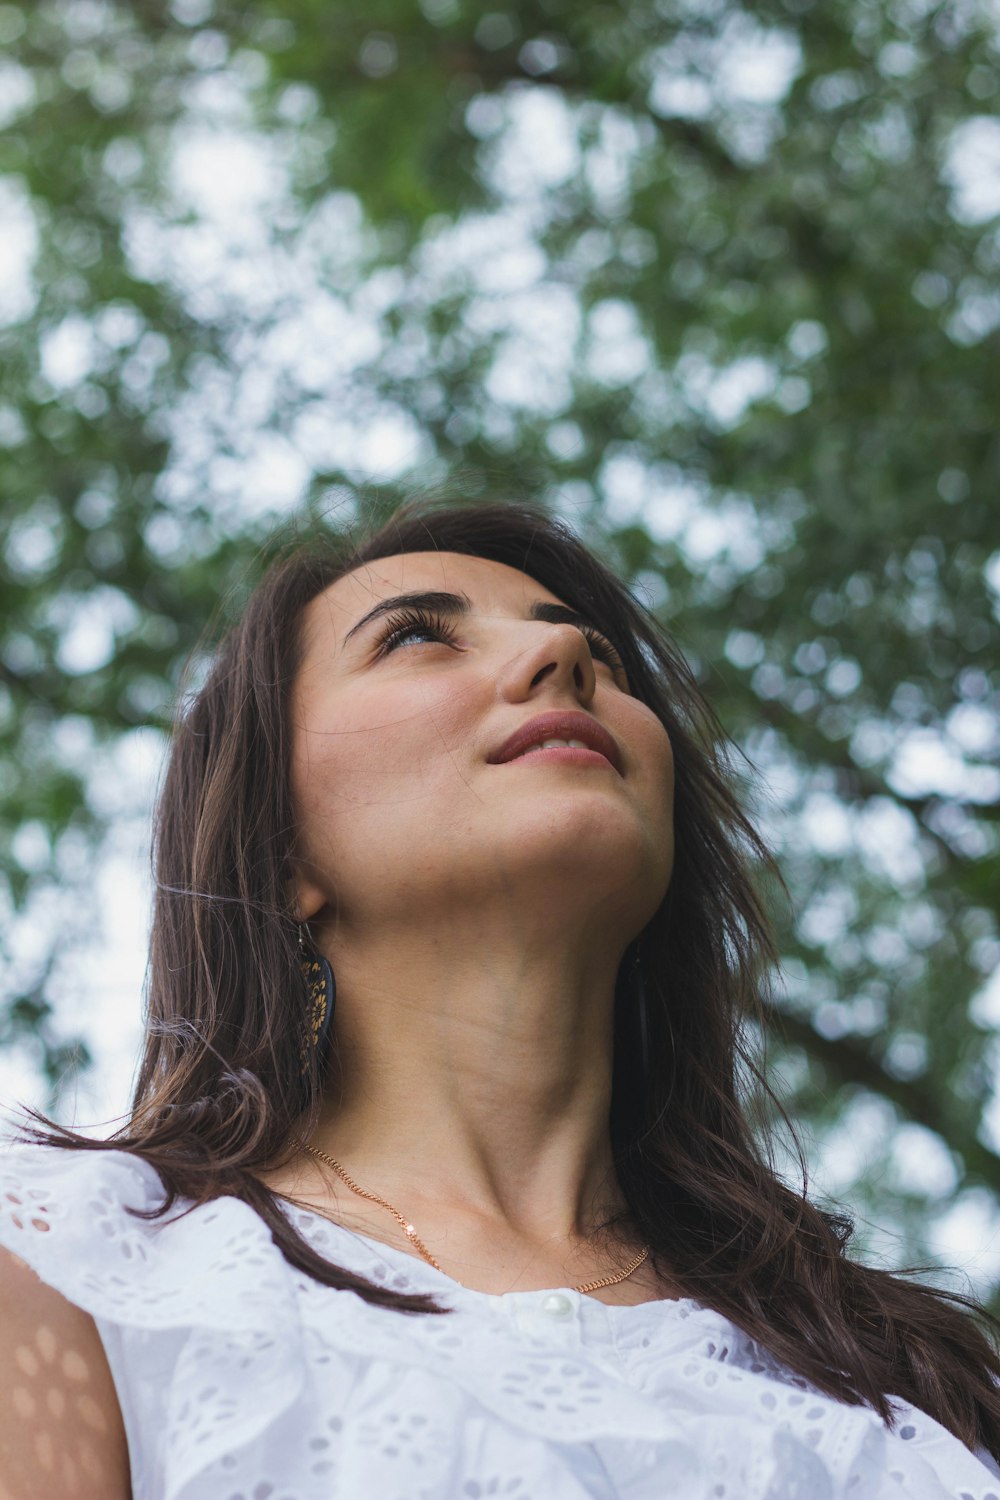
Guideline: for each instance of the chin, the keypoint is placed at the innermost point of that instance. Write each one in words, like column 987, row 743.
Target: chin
column 587, row 843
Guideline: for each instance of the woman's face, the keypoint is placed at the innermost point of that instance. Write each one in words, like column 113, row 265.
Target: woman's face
column 406, row 816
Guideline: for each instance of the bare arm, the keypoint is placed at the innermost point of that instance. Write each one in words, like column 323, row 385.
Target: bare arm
column 61, row 1429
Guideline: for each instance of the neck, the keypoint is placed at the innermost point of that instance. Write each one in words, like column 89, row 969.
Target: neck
column 479, row 1087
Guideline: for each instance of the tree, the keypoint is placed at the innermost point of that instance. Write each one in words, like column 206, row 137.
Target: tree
column 718, row 284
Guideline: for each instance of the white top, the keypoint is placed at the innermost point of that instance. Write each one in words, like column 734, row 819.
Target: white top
column 239, row 1378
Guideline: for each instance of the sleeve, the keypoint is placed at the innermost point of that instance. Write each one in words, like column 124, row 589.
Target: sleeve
column 194, row 1310
column 988, row 1462
column 915, row 1451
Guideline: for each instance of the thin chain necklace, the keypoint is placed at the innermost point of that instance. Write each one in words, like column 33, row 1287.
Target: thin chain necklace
column 421, row 1248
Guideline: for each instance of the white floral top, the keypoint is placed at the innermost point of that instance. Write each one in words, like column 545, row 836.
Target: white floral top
column 239, row 1378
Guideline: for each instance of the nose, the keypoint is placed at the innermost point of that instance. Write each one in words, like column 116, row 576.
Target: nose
column 557, row 655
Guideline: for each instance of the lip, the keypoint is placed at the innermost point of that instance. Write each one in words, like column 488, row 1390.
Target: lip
column 563, row 726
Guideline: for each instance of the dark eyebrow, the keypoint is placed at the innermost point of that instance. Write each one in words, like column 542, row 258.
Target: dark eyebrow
column 461, row 604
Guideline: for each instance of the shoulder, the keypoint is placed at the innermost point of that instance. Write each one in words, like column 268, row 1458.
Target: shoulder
column 87, row 1223
column 92, row 1224
column 33, row 1175
column 59, row 1414
column 60, row 1205
column 153, row 1301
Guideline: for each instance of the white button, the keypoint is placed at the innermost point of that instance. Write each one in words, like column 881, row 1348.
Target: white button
column 555, row 1305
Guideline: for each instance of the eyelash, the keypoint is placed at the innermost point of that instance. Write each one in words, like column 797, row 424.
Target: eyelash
column 399, row 626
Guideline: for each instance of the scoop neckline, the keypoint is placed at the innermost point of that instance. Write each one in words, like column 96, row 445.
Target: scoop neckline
column 397, row 1254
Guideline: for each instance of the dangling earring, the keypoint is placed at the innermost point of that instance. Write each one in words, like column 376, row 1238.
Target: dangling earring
column 321, row 995
column 638, row 989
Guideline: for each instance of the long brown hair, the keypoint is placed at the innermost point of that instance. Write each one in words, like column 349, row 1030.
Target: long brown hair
column 221, row 1086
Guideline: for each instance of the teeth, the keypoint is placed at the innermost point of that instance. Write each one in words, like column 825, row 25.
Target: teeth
column 556, row 744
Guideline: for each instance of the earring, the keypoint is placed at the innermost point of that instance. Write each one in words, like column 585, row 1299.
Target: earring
column 642, row 1008
column 321, row 995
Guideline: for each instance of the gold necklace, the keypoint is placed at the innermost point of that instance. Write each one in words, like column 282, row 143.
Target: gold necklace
column 421, row 1248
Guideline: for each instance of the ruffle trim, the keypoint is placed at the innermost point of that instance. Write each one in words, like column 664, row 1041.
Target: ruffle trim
column 244, row 1321
column 235, row 1317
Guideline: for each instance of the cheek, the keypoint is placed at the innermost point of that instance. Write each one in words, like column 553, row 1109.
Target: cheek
column 665, row 789
column 654, row 754
column 658, row 786
column 667, row 752
column 369, row 759
column 661, row 807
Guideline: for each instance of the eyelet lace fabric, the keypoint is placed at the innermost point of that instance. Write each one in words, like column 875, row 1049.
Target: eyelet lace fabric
column 240, row 1378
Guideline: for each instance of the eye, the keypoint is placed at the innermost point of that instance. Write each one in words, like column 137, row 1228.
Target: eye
column 405, row 624
column 410, row 622
column 602, row 648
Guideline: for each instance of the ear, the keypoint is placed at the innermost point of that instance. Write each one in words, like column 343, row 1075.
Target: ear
column 308, row 897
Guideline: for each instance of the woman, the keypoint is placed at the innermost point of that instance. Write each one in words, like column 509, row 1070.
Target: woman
column 503, row 1229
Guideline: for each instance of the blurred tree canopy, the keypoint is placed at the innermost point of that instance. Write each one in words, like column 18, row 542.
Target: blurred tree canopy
column 717, row 283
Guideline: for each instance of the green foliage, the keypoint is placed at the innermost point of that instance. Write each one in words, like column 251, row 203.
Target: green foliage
column 718, row 283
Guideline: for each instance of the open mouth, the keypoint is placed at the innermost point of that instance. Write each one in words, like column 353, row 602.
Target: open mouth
column 570, row 736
